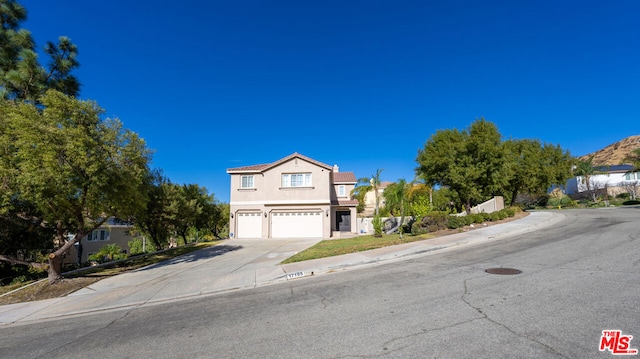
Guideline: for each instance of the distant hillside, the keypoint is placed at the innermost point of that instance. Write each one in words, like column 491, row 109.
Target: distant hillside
column 614, row 154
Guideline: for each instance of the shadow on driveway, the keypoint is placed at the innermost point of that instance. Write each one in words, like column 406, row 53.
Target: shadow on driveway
column 203, row 254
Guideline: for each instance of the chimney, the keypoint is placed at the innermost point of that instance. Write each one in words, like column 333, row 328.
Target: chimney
column 336, row 169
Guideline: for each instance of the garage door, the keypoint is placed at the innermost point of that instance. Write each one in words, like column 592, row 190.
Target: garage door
column 249, row 225
column 296, row 224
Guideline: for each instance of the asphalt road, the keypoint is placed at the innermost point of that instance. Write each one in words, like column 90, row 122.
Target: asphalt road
column 579, row 277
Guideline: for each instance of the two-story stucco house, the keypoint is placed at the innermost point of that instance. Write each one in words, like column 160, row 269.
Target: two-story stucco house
column 294, row 197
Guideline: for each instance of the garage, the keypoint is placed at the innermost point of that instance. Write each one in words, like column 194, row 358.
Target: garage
column 299, row 224
column 249, row 225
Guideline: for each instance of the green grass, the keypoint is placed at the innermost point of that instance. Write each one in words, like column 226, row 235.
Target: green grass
column 336, row 247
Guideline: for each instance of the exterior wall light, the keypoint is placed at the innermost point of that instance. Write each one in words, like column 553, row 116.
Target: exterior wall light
column 265, row 214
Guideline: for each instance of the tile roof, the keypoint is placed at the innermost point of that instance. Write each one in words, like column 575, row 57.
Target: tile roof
column 264, row 167
column 345, row 202
column 344, row 177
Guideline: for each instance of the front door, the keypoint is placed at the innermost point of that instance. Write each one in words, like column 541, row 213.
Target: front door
column 343, row 221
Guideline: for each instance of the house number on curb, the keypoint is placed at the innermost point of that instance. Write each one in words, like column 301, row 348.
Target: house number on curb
column 295, row 275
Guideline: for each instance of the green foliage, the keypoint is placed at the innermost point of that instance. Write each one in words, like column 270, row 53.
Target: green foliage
column 432, row 222
column 16, row 274
column 472, row 163
column 22, row 77
column 139, row 246
column 187, row 211
column 366, row 185
column 108, row 253
column 73, row 167
column 458, row 222
column 377, row 224
column 476, row 164
column 563, row 201
column 624, row 195
column 537, row 167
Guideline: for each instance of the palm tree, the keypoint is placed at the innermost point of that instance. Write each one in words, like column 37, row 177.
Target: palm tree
column 396, row 199
column 366, row 185
column 586, row 169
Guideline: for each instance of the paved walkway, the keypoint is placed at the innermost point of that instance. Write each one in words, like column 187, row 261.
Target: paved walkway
column 241, row 264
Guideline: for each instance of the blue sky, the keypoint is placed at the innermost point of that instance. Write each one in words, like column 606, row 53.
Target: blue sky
column 212, row 85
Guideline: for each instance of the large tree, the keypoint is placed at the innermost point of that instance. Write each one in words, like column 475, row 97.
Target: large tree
column 76, row 168
column 22, row 77
column 472, row 163
column 536, row 167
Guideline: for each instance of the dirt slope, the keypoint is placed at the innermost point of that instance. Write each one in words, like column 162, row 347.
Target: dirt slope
column 615, row 153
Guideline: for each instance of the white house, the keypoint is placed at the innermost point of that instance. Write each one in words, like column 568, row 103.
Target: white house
column 612, row 180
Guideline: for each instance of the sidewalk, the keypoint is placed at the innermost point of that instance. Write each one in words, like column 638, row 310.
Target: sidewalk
column 241, row 264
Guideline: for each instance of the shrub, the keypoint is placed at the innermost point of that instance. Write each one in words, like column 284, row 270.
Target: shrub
column 417, row 229
column 624, row 195
column 456, row 222
column 478, row 217
column 108, row 253
column 430, row 223
column 377, row 226
column 630, row 202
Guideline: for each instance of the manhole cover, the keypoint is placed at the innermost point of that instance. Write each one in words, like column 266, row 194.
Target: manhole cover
column 503, row 271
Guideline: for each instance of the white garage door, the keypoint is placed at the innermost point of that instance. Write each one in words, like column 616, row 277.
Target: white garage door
column 296, row 224
column 249, row 225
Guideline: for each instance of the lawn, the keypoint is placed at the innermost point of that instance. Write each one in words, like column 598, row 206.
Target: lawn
column 335, row 247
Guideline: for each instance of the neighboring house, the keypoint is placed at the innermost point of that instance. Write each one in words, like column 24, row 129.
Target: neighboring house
column 612, row 180
column 294, row 197
column 113, row 231
column 370, row 199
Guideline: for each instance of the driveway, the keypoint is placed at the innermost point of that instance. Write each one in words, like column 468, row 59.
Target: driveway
column 236, row 264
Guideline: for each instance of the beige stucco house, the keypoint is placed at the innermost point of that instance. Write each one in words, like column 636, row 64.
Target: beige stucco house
column 113, row 231
column 294, row 197
column 370, row 199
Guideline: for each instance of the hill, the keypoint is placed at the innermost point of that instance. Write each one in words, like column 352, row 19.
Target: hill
column 615, row 153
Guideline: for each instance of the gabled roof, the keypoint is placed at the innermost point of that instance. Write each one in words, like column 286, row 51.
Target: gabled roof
column 264, row 167
column 344, row 177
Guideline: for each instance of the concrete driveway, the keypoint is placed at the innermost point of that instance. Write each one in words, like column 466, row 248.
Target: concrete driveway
column 236, row 264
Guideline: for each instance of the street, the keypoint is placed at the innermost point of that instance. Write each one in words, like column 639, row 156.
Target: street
column 578, row 278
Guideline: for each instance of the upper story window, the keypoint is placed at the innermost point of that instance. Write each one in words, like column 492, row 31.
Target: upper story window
column 296, row 180
column 98, row 235
column 341, row 191
column 246, row 182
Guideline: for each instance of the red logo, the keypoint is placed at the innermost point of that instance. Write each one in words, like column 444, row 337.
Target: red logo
column 617, row 343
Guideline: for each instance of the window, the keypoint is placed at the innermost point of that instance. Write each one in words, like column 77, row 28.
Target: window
column 98, row 235
column 341, row 191
column 246, row 182
column 296, row 180
column 632, row 176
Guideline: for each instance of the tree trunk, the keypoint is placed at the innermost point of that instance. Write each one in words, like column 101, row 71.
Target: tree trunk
column 514, row 194
column 55, row 267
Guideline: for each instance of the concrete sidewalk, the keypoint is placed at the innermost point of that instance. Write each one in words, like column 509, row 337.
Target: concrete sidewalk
column 241, row 264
